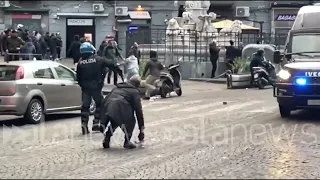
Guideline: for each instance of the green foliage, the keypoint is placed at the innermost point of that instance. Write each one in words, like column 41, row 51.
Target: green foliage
column 241, row 65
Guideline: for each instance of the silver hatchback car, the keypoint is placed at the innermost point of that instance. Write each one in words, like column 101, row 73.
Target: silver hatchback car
column 35, row 88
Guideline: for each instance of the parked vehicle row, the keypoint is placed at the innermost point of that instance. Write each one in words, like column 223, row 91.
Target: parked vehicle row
column 35, row 88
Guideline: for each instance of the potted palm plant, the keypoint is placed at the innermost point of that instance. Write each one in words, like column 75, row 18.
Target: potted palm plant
column 241, row 66
column 240, row 76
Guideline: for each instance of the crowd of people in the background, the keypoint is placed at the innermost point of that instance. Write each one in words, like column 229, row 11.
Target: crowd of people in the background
column 18, row 44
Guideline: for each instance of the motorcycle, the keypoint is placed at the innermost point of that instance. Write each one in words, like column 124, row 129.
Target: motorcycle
column 264, row 76
column 169, row 81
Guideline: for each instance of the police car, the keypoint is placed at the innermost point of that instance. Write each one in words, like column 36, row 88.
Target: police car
column 298, row 82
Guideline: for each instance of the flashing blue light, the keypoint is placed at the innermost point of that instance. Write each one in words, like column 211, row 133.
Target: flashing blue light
column 301, row 81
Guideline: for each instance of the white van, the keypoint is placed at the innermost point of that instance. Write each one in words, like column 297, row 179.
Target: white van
column 307, row 17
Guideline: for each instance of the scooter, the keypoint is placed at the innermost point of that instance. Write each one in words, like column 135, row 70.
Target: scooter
column 169, row 81
column 264, row 76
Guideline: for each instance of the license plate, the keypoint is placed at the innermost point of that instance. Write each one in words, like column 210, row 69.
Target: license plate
column 314, row 102
column 255, row 75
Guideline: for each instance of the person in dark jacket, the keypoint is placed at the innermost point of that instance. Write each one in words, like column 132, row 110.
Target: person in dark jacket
column 4, row 40
column 155, row 67
column 111, row 52
column 13, row 45
column 120, row 108
column 136, row 51
column 103, row 44
column 231, row 54
column 89, row 76
column 47, row 39
column 74, row 49
column 256, row 61
column 214, row 56
column 53, row 46
column 59, row 45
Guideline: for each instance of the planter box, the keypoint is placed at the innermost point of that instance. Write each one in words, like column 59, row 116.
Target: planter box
column 238, row 80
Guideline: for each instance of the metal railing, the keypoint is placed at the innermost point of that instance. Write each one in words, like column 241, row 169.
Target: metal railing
column 191, row 45
column 25, row 56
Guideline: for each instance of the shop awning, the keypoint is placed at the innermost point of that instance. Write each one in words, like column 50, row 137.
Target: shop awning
column 26, row 10
column 228, row 23
column 139, row 15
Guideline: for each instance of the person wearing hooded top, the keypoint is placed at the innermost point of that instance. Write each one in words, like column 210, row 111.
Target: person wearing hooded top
column 89, row 76
column 154, row 67
column 120, row 108
column 28, row 50
column 74, row 49
column 111, row 52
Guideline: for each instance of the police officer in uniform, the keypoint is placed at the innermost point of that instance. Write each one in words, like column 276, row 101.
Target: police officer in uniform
column 90, row 72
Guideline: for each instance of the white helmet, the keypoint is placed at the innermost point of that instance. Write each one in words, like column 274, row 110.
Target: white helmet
column 19, row 26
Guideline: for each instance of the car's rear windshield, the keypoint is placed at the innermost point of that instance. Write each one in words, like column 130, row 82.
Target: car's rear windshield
column 8, row 72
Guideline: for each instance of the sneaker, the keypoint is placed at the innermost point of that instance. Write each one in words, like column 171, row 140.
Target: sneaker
column 129, row 145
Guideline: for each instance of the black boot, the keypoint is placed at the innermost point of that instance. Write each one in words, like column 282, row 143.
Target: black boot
column 106, row 142
column 85, row 129
column 129, row 145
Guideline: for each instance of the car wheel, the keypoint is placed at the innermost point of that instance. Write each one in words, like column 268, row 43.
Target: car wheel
column 93, row 107
column 284, row 111
column 35, row 112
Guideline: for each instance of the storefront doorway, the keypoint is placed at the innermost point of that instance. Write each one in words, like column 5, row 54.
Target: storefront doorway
column 81, row 27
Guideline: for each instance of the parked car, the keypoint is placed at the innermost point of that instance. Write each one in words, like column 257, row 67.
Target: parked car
column 35, row 88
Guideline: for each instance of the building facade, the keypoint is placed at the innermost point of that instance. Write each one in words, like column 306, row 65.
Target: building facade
column 96, row 19
column 91, row 19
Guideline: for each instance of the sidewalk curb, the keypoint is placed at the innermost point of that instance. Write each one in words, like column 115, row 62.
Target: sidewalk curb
column 215, row 81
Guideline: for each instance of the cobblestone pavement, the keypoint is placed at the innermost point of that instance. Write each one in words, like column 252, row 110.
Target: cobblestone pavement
column 193, row 136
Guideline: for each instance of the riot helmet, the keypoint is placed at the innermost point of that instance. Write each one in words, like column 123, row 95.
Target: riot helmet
column 87, row 48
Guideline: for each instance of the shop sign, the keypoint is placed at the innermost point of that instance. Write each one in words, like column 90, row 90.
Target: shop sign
column 80, row 22
column 286, row 17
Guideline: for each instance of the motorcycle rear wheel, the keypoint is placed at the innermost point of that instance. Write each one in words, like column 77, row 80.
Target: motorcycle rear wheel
column 260, row 84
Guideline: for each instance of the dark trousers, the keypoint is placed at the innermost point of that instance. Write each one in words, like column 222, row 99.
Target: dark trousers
column 214, row 67
column 115, row 77
column 58, row 52
column 126, row 128
column 87, row 96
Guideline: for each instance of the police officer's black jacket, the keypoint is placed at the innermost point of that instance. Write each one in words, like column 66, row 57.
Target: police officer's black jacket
column 90, row 71
column 121, row 104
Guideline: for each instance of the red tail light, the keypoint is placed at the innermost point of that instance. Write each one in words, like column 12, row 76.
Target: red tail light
column 20, row 73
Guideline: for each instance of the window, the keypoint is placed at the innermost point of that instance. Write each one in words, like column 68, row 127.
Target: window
column 43, row 72
column 64, row 73
column 306, row 43
column 8, row 73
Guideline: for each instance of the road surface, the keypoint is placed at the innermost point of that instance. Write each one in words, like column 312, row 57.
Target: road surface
column 193, row 136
